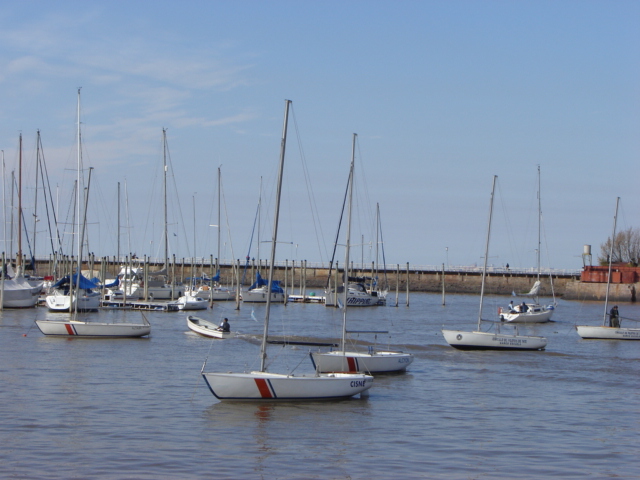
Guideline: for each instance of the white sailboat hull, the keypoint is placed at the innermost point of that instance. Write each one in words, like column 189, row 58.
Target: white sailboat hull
column 221, row 294
column 608, row 333
column 59, row 302
column 352, row 362
column 192, row 303
column 272, row 386
column 162, row 292
column 205, row 328
column 354, row 299
column 92, row 329
column 259, row 295
column 535, row 314
column 492, row 341
column 18, row 293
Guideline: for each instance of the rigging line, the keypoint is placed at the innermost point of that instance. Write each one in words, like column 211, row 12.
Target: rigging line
column 226, row 214
column 546, row 247
column 317, row 225
column 180, row 216
column 246, row 263
column 365, row 185
column 44, row 174
column 153, row 206
column 335, row 243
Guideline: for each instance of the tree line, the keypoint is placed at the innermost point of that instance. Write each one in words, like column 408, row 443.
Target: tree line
column 626, row 248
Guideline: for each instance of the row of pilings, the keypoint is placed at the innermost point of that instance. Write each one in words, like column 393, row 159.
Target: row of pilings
column 304, row 278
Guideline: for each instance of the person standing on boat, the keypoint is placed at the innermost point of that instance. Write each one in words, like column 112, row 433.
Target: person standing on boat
column 224, row 326
column 614, row 317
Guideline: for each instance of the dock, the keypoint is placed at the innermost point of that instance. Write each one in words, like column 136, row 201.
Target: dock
column 137, row 305
column 306, row 299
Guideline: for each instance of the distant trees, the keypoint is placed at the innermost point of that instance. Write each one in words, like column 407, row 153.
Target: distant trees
column 626, row 248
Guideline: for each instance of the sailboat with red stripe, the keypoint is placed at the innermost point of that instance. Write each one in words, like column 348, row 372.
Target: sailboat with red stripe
column 262, row 385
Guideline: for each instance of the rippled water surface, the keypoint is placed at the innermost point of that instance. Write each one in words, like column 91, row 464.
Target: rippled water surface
column 138, row 408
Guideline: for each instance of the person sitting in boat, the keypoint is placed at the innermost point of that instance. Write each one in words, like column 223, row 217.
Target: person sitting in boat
column 614, row 317
column 512, row 308
column 523, row 307
column 224, row 326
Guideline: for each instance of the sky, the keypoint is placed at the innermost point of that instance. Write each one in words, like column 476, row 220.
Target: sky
column 442, row 95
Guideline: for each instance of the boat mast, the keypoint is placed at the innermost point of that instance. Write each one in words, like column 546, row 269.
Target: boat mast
column 166, row 224
column 219, row 226
column 345, row 293
column 486, row 251
column 78, row 189
column 539, row 224
column 613, row 239
column 118, row 229
column 377, row 244
column 274, row 238
column 19, row 257
column 35, row 205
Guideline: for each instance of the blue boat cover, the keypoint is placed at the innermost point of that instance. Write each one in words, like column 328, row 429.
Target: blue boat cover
column 260, row 282
column 85, row 283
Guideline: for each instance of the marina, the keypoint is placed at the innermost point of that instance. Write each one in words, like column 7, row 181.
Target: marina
column 138, row 408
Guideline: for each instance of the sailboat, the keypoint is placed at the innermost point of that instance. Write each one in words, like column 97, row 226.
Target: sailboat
column 62, row 297
column 531, row 312
column 259, row 290
column 73, row 326
column 263, row 385
column 486, row 340
column 342, row 360
column 17, row 292
column 604, row 331
column 217, row 292
column 357, row 293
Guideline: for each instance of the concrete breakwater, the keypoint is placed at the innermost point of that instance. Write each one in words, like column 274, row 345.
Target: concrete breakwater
column 298, row 277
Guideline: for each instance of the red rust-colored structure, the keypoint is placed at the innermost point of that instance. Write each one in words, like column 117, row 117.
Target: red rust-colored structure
column 620, row 273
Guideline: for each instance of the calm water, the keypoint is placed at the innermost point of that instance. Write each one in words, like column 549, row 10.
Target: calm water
column 138, row 408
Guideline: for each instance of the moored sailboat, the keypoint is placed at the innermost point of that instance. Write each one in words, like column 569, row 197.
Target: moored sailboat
column 477, row 339
column 612, row 331
column 341, row 360
column 73, row 326
column 17, row 292
column 262, row 385
column 531, row 312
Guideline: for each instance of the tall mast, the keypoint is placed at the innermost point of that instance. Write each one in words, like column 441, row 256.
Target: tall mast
column 613, row 239
column 539, row 226
column 19, row 258
column 78, row 188
column 78, row 218
column 118, row 229
column 486, row 252
column 35, row 206
column 345, row 293
column 166, row 224
column 274, row 238
column 219, row 226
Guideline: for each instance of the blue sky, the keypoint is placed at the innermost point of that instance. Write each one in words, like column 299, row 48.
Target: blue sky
column 443, row 95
